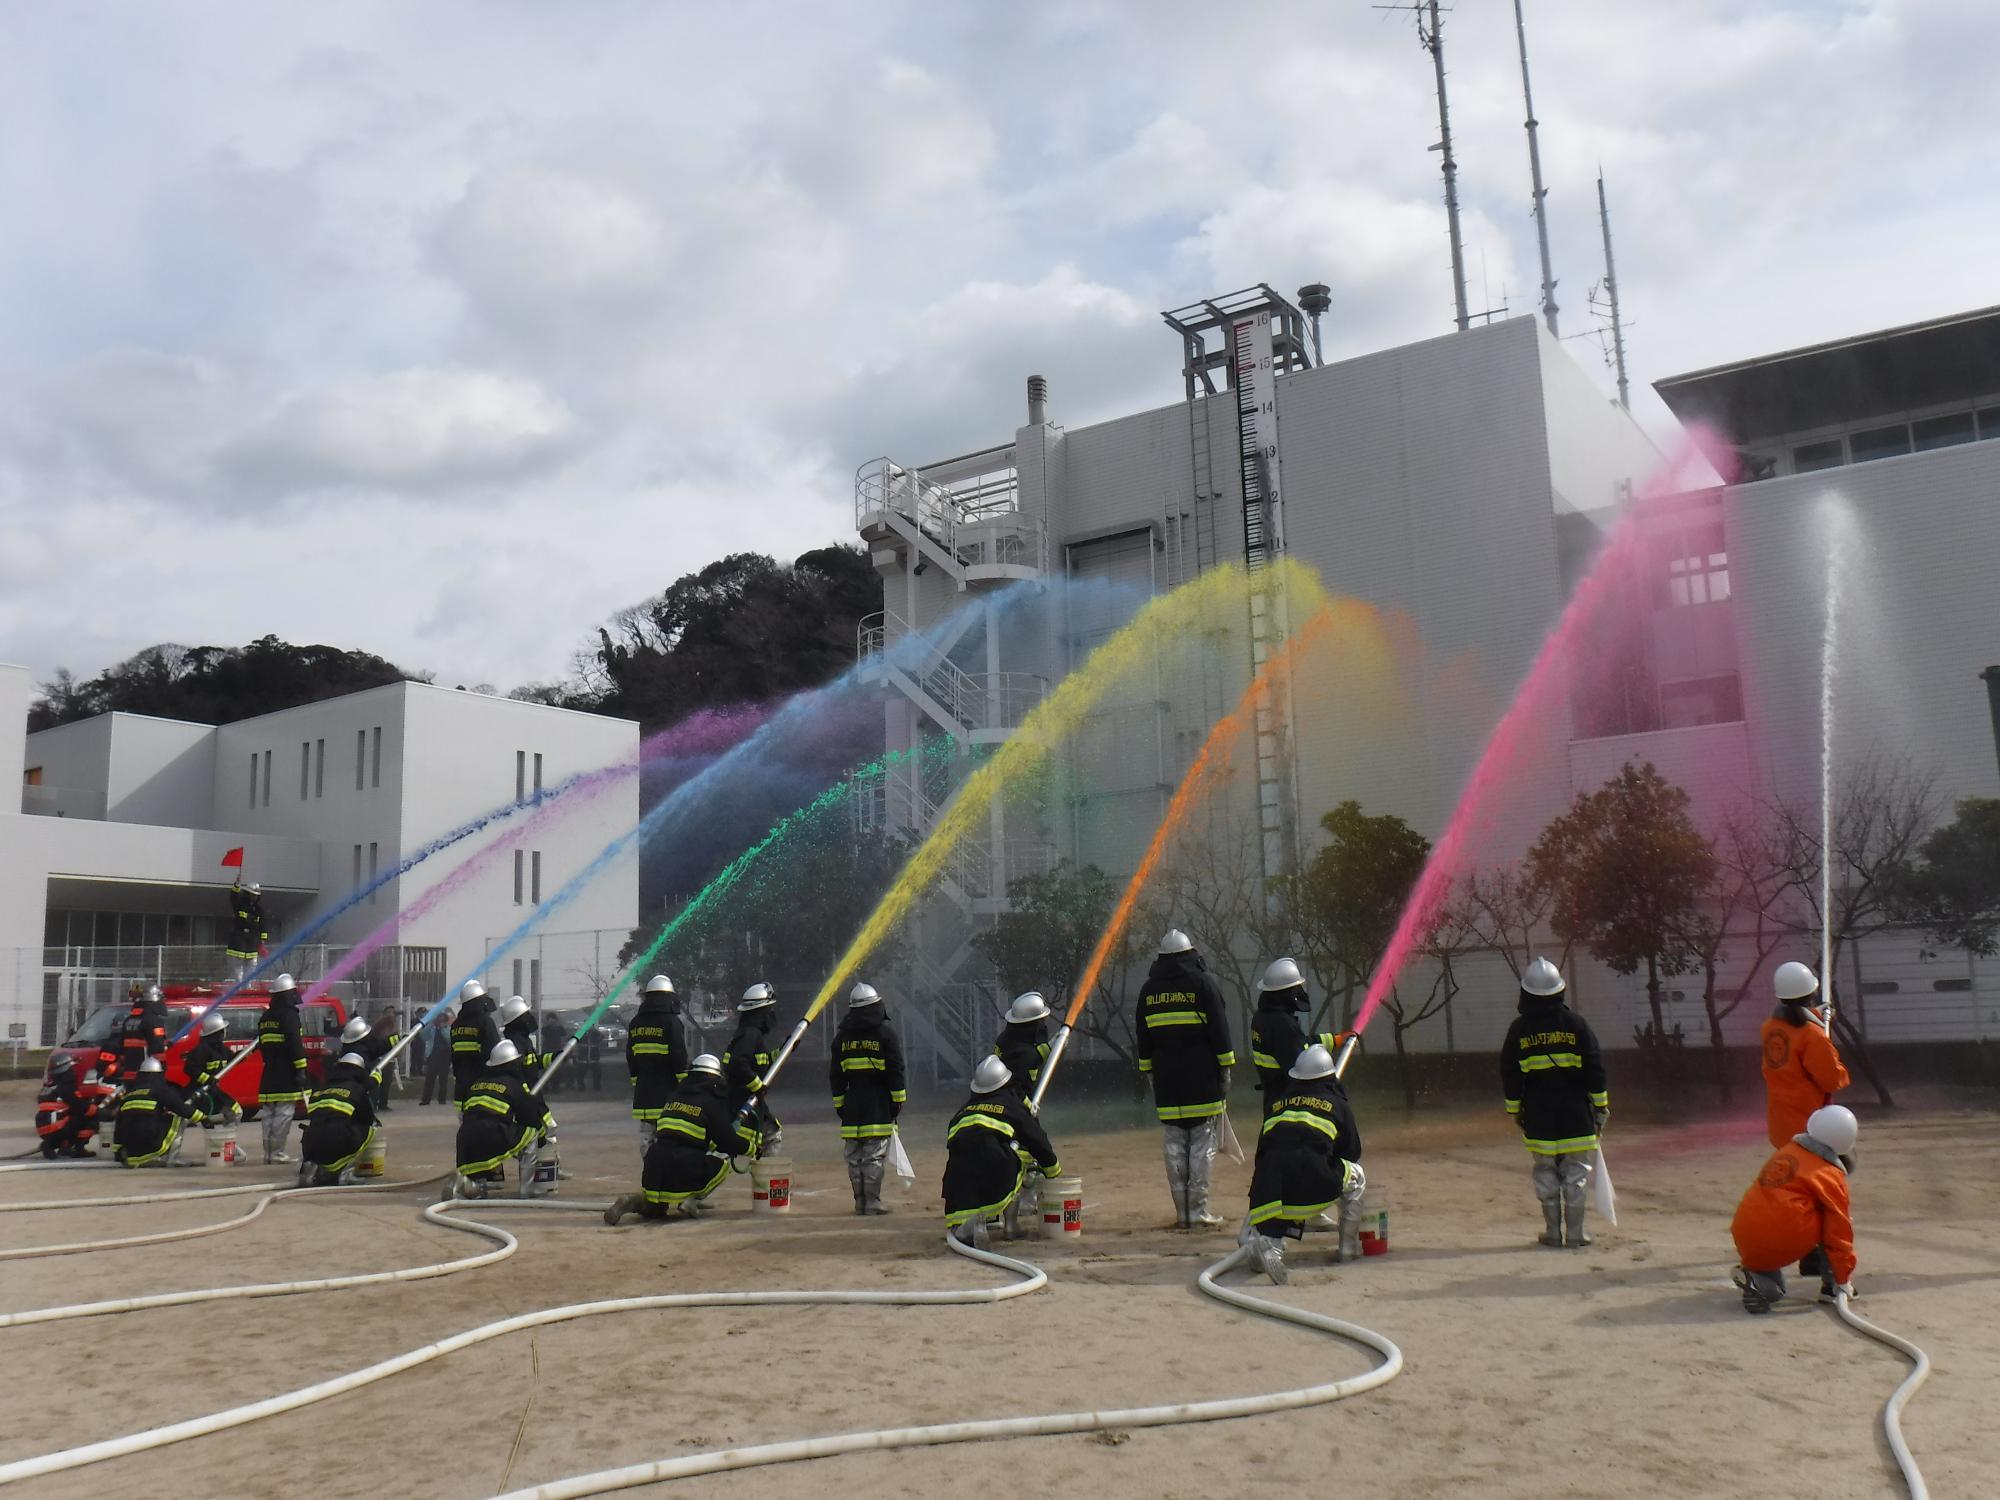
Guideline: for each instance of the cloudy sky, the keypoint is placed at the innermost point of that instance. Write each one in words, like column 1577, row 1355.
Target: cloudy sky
column 444, row 330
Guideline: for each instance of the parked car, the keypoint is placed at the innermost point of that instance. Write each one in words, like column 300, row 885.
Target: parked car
column 319, row 1028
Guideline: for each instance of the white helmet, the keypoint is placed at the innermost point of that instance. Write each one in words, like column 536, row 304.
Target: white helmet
column 153, row 996
column 757, row 997
column 1314, row 1062
column 282, row 983
column 472, row 989
column 213, row 1022
column 256, row 889
column 1028, row 1007
column 991, row 1074
column 353, row 1060
column 1543, row 978
column 354, row 1031
column 1796, row 984
column 1834, row 1125
column 512, row 1009
column 863, row 994
column 1283, row 974
column 1176, row 941
column 659, row 984
column 503, row 1053
column 706, row 1062
column 151, row 1065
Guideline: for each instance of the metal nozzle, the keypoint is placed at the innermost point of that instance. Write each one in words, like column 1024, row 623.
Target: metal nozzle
column 1345, row 1054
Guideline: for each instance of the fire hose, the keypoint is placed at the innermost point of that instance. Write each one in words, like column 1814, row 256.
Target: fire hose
column 1892, row 1412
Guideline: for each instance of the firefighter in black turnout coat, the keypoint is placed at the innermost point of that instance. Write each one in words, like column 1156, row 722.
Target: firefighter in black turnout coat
column 749, row 1058
column 474, row 1035
column 282, row 1054
column 340, row 1122
column 1184, row 1044
column 1277, row 1035
column 1308, row 1159
column 142, row 1033
column 1553, row 1081
column 988, row 1146
column 700, row 1140
column 500, row 1120
column 866, row 1076
column 1023, row 1044
column 656, row 1055
column 150, row 1119
column 204, row 1063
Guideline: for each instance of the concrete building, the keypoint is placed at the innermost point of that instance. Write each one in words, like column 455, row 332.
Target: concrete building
column 1463, row 482
column 110, row 868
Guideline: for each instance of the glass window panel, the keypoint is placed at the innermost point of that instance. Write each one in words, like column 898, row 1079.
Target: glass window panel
column 1942, row 432
column 1879, row 442
column 1989, row 423
column 1810, row 458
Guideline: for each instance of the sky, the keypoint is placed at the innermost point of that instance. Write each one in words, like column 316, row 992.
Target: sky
column 444, row 331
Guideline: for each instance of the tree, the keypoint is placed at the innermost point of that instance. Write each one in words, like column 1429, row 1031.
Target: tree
column 1955, row 893
column 1628, row 867
column 214, row 684
column 1509, row 909
column 1045, row 941
column 1749, row 881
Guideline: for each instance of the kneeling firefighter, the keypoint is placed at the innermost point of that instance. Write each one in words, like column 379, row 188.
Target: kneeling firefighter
column 517, row 1025
column 866, row 1076
column 65, row 1116
column 988, row 1146
column 204, row 1063
column 1308, row 1158
column 501, row 1121
column 340, row 1122
column 1183, row 1032
column 700, row 1141
column 1798, row 1209
column 656, row 1055
column 1552, row 1078
column 150, row 1119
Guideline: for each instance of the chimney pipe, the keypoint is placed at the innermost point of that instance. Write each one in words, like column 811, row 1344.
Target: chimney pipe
column 1038, row 401
column 1991, row 677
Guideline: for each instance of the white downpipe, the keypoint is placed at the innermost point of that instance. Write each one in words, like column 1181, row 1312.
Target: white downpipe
column 1892, row 1412
column 1174, row 1414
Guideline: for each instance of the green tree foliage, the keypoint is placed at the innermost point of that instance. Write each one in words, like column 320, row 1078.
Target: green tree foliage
column 1045, row 941
column 1955, row 892
column 214, row 684
column 1628, row 867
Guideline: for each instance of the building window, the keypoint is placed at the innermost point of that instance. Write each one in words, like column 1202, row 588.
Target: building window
column 32, row 776
column 360, row 758
column 305, row 767
column 1989, row 424
column 1879, row 442
column 517, row 976
column 520, row 775
column 534, row 990
column 538, row 775
column 253, row 778
column 1703, row 700
column 357, row 867
column 319, row 768
column 1942, row 432
column 375, row 775
column 267, row 778
column 1810, row 458
column 520, row 860
column 374, row 853
column 535, row 877
column 1697, row 567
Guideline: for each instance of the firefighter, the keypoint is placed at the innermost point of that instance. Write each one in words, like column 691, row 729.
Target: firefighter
column 1553, row 1081
column 340, row 1122
column 474, row 1035
column 1308, row 1159
column 656, row 1055
column 517, row 1025
column 749, row 1058
column 246, row 926
column 1023, row 1044
column 109, row 1050
column 701, row 1139
column 500, row 1120
column 1802, row 1067
column 374, row 1042
column 988, row 1146
column 1183, row 1035
column 1798, row 1209
column 143, row 1032
column 865, row 1073
column 204, row 1062
column 65, row 1116
column 1276, row 1033
column 283, row 1087
column 150, row 1119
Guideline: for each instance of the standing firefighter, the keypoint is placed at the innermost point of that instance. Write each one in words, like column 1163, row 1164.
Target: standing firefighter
column 150, row 1119
column 1552, row 1077
column 1183, row 1032
column 282, row 1088
column 1023, row 1044
column 474, row 1035
column 988, row 1146
column 656, row 1055
column 1308, row 1159
column 340, row 1122
column 1277, row 1036
column 143, row 1032
column 749, row 1059
column 700, row 1141
column 517, row 1025
column 204, row 1062
column 1797, row 1209
column 866, row 1075
column 1802, row 1067
column 246, row 926
column 500, row 1121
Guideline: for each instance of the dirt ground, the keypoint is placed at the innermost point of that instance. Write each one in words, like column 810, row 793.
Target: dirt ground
column 1626, row 1368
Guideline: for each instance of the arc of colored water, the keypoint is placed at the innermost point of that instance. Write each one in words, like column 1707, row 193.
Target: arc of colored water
column 1833, row 520
column 1539, row 697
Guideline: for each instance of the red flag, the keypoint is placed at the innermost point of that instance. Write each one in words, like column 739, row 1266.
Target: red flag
column 233, row 857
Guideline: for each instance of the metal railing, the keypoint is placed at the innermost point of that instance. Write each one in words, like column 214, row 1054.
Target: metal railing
column 976, row 700
column 978, row 521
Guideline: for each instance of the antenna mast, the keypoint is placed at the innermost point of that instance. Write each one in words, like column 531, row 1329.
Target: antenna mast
column 1611, row 296
column 1535, row 171
column 1433, row 43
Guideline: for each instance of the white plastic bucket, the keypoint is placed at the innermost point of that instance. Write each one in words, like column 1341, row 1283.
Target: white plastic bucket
column 544, row 1180
column 1062, row 1208
column 1374, row 1221
column 374, row 1156
column 771, row 1185
column 222, row 1148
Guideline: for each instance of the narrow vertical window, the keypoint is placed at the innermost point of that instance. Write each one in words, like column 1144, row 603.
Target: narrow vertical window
column 375, row 777
column 253, row 778
column 517, row 976
column 374, row 854
column 520, row 774
column 357, row 867
column 319, row 768
column 518, row 861
column 538, row 775
column 534, row 990
column 360, row 758
column 305, row 768
column 535, row 880
column 267, row 778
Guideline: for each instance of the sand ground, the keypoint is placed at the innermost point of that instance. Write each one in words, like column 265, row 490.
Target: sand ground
column 1535, row 1373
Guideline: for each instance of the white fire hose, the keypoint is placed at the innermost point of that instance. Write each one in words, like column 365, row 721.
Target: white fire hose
column 1892, row 1413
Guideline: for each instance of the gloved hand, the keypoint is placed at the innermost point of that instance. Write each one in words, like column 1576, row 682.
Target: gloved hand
column 1598, row 1117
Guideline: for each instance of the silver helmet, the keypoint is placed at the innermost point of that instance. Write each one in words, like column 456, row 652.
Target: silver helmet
column 991, row 1074
column 503, row 1053
column 512, row 1009
column 1543, row 978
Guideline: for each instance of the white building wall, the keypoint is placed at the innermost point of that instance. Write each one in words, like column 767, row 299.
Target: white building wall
column 161, row 771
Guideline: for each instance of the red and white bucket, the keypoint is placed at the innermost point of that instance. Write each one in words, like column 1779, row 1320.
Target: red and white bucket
column 1374, row 1222
column 771, row 1185
column 222, row 1148
column 1062, row 1208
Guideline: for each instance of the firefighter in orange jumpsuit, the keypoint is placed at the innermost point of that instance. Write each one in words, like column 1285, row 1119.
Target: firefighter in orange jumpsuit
column 1797, row 1209
column 1802, row 1068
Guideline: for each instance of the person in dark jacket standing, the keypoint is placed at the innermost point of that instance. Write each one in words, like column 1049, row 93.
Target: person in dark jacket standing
column 1184, row 1044
column 988, row 1145
column 150, row 1119
column 1308, row 1159
column 204, row 1063
column 143, row 1032
column 1023, row 1044
column 474, row 1035
column 700, row 1140
column 1552, row 1078
column 437, row 1062
column 282, row 1088
column 372, row 1041
column 1277, row 1033
column 656, row 1055
column 517, row 1025
column 749, row 1058
column 865, row 1073
column 246, row 927
column 499, row 1121
column 340, row 1122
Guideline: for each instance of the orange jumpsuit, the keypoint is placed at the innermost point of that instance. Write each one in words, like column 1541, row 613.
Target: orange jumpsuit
column 1802, row 1072
column 1798, row 1203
